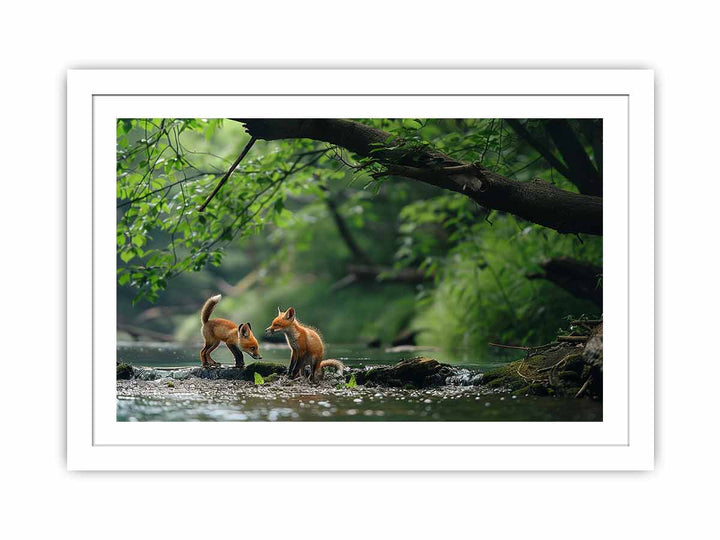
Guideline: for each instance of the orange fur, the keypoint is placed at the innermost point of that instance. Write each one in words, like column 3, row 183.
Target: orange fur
column 305, row 343
column 238, row 339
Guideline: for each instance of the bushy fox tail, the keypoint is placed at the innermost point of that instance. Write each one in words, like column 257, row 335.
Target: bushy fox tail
column 208, row 307
column 337, row 364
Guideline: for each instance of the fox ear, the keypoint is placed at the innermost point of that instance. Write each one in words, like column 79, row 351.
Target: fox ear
column 249, row 327
column 290, row 313
column 244, row 330
column 279, row 311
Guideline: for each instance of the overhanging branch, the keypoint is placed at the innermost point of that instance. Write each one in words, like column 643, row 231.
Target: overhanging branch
column 537, row 201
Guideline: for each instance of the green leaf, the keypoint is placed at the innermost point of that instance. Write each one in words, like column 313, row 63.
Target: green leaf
column 411, row 124
column 258, row 378
column 352, row 383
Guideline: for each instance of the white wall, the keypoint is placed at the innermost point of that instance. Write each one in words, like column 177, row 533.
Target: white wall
column 39, row 42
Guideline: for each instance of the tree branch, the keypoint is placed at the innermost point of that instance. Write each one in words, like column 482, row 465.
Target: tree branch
column 536, row 201
column 543, row 150
column 583, row 173
column 577, row 277
column 224, row 179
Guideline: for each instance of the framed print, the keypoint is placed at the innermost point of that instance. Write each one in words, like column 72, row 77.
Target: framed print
column 360, row 269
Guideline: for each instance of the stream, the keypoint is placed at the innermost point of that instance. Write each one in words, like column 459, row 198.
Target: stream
column 196, row 399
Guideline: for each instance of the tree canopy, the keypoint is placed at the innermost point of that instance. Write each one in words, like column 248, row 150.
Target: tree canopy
column 467, row 212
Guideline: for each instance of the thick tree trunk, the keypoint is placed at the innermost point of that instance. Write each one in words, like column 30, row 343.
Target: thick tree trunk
column 536, row 201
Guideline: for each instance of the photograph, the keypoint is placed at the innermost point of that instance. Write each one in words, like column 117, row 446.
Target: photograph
column 359, row 269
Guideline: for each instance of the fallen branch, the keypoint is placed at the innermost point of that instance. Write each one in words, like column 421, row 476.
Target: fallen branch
column 586, row 322
column 510, row 346
column 583, row 387
column 573, row 339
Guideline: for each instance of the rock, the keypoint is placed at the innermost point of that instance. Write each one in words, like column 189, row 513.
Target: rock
column 244, row 374
column 124, row 371
column 265, row 369
column 419, row 372
column 593, row 352
column 247, row 373
column 180, row 374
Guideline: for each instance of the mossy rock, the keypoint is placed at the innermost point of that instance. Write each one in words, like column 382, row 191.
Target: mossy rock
column 124, row 371
column 265, row 369
column 420, row 372
column 246, row 373
column 505, row 377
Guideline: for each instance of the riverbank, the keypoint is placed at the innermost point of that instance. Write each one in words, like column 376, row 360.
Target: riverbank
column 416, row 389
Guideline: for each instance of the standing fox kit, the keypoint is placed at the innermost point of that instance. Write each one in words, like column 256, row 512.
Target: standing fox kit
column 238, row 339
column 305, row 343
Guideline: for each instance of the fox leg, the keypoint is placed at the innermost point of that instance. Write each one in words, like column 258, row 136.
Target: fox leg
column 317, row 371
column 209, row 362
column 298, row 367
column 293, row 364
column 237, row 353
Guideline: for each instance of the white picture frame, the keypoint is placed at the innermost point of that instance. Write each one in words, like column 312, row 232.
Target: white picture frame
column 622, row 441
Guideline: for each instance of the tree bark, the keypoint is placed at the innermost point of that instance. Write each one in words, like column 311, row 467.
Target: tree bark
column 577, row 167
column 578, row 278
column 583, row 172
column 536, row 201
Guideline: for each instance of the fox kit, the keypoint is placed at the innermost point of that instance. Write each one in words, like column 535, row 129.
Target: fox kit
column 238, row 339
column 306, row 345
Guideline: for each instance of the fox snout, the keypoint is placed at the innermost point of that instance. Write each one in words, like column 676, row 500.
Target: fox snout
column 256, row 356
column 269, row 330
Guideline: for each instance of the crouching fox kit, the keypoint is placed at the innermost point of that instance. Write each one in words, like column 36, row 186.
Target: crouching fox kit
column 306, row 346
column 238, row 339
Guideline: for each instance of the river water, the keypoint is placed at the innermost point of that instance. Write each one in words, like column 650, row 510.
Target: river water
column 196, row 399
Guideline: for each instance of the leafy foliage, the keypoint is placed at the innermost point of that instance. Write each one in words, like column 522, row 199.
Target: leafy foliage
column 272, row 225
column 163, row 177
